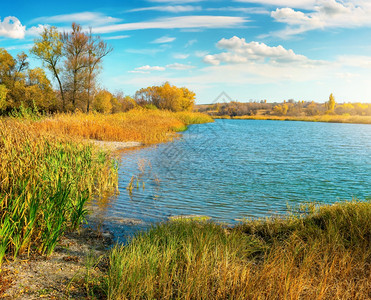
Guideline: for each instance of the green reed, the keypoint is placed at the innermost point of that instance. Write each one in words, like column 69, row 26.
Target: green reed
column 45, row 182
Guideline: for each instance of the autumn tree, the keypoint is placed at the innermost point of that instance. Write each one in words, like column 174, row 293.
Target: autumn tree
column 39, row 90
column 126, row 102
column 167, row 97
column 7, row 64
column 23, row 86
column 3, row 93
column 48, row 48
column 330, row 105
column 281, row 109
column 103, row 102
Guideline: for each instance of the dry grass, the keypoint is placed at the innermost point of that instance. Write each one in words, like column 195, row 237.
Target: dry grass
column 48, row 172
column 146, row 126
column 323, row 255
column 319, row 118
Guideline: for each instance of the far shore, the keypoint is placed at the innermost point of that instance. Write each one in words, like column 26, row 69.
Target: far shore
column 319, row 118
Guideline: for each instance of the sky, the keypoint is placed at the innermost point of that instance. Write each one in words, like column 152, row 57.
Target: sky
column 249, row 49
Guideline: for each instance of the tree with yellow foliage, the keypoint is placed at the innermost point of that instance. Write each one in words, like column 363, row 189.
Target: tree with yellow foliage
column 103, row 102
column 49, row 49
column 3, row 92
column 330, row 105
column 166, row 96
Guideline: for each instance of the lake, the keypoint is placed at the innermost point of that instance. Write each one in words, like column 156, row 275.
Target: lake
column 235, row 169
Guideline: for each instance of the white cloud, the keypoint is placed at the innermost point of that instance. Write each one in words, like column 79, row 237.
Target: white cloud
column 200, row 53
column 12, row 28
column 175, row 1
column 180, row 56
column 241, row 52
column 325, row 14
column 36, row 30
column 148, row 51
column 170, row 8
column 347, row 75
column 164, row 40
column 19, row 47
column 83, row 18
column 178, row 66
column 177, row 22
column 148, row 68
column 358, row 61
column 117, row 37
column 246, row 10
column 190, row 43
column 306, row 4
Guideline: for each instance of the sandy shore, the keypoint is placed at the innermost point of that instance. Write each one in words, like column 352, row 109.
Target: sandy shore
column 115, row 146
column 60, row 276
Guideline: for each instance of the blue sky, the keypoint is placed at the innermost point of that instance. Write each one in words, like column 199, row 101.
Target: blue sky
column 250, row 49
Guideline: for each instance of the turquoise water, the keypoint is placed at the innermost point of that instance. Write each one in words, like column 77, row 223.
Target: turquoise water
column 234, row 169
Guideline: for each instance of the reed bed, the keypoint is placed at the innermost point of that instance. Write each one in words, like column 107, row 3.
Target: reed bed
column 325, row 254
column 49, row 170
column 319, row 118
column 45, row 181
column 141, row 125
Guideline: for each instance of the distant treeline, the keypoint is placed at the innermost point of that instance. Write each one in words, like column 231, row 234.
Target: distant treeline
column 287, row 108
column 73, row 60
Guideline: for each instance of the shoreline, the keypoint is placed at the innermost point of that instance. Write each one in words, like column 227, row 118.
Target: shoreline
column 60, row 275
column 320, row 119
column 65, row 273
column 115, row 146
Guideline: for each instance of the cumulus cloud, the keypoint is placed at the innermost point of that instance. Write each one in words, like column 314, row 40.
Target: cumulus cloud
column 164, row 40
column 325, row 14
column 36, row 30
column 12, row 28
column 239, row 52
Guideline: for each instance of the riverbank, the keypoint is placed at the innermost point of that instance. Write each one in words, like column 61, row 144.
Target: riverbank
column 49, row 171
column 79, row 257
column 319, row 118
column 320, row 253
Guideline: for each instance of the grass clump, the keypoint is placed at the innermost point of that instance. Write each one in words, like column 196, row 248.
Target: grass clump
column 325, row 254
column 45, row 181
